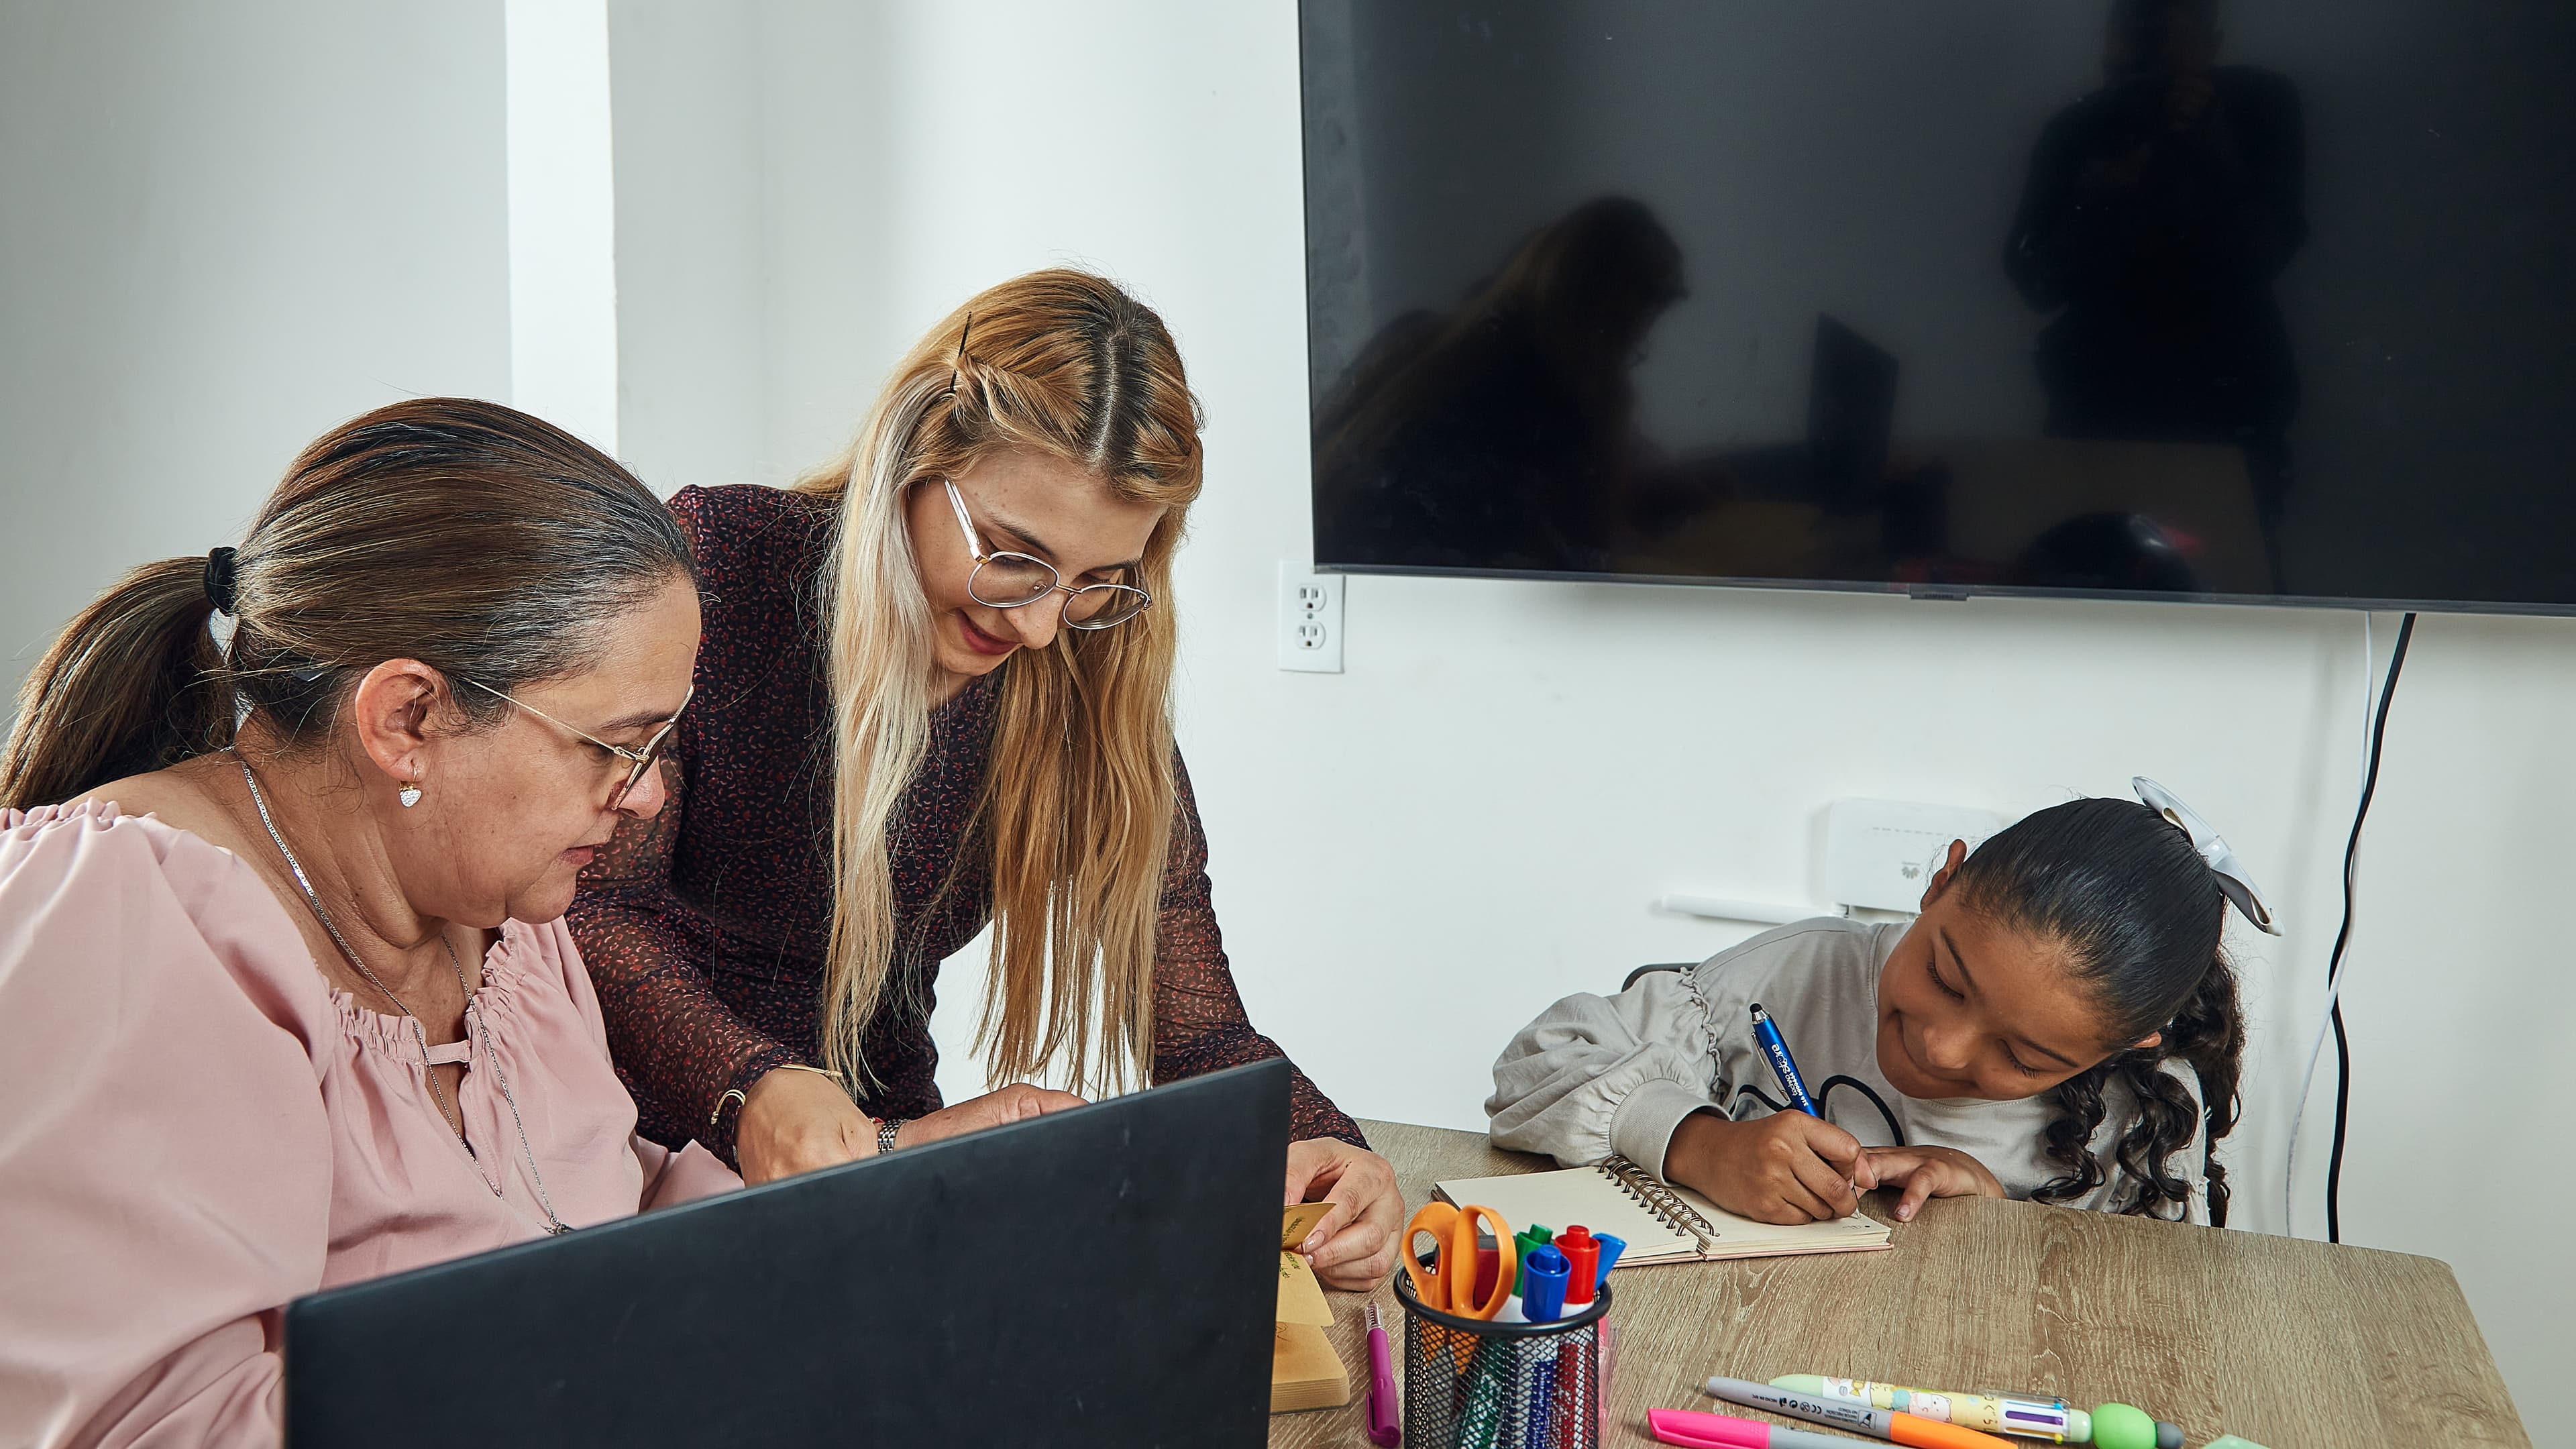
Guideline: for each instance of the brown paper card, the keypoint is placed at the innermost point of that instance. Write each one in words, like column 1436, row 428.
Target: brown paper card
column 1305, row 1372
column 1301, row 1297
column 1298, row 1220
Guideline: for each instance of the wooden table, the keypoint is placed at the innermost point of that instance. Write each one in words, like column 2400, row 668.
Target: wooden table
column 2292, row 1344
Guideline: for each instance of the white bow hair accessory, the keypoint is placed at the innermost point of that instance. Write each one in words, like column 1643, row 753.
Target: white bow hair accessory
column 2233, row 882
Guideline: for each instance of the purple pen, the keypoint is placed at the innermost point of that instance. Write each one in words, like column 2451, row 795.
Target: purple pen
column 1382, row 1428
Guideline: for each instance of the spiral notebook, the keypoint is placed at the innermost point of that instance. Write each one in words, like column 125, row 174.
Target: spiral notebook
column 1662, row 1223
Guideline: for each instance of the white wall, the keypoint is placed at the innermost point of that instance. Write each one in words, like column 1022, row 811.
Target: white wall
column 226, row 229
column 1414, row 857
column 229, row 229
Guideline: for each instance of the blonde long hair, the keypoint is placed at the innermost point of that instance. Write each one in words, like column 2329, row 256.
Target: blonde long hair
column 1078, row 795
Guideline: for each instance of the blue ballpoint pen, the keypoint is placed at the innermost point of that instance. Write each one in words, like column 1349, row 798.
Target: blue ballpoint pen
column 1781, row 1066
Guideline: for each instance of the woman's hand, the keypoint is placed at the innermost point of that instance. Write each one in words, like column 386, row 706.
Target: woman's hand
column 1354, row 1246
column 1784, row 1168
column 1015, row 1103
column 1925, row 1173
column 796, row 1122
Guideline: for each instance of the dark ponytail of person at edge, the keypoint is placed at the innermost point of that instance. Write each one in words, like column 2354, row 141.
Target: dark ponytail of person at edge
column 2139, row 914
column 483, row 542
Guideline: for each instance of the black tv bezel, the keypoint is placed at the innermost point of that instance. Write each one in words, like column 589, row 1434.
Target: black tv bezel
column 1958, row 593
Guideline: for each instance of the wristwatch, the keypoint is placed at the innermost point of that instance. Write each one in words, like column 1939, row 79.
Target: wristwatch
column 885, row 1133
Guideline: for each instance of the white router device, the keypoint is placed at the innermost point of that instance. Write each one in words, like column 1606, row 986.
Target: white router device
column 1880, row 854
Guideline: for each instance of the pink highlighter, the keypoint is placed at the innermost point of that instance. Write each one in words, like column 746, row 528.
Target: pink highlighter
column 1382, row 1428
column 1722, row 1431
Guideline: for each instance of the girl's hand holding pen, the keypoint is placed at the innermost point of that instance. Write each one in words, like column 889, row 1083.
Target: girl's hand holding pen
column 1784, row 1168
column 1925, row 1173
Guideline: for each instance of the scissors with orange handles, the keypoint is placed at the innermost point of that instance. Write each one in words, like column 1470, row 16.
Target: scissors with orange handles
column 1449, row 1285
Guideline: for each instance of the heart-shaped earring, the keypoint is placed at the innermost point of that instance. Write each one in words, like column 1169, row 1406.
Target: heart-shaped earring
column 409, row 794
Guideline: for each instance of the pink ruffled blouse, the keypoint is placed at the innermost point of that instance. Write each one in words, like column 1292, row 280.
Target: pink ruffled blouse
column 195, row 1127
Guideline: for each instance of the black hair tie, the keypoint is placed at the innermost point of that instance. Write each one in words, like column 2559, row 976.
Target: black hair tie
column 219, row 579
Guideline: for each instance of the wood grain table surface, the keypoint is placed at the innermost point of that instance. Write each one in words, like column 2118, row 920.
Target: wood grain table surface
column 2290, row 1343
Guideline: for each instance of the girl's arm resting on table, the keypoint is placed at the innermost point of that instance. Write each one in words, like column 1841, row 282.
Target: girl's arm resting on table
column 166, row 1173
column 1595, row 1075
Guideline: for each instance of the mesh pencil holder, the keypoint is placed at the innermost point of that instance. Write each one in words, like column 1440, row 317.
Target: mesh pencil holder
column 1471, row 1384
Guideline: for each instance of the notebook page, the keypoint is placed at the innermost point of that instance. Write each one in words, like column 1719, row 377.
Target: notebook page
column 1575, row 1195
column 1744, row 1238
column 1588, row 1196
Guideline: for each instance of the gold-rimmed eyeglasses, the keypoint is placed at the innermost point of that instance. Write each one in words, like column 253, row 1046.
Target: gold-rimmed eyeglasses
column 638, row 761
column 1014, row 580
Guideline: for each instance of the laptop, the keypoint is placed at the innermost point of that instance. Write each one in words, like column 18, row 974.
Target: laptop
column 1101, row 1276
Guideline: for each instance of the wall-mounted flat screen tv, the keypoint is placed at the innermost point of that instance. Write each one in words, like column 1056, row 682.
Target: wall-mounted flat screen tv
column 2268, row 300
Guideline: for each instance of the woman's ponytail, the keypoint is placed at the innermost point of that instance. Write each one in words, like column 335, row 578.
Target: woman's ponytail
column 133, row 684
column 485, row 543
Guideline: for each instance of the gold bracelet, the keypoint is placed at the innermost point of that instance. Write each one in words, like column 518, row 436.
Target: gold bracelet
column 735, row 1094
column 731, row 1095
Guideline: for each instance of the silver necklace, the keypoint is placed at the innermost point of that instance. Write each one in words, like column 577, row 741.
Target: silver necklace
column 449, row 1114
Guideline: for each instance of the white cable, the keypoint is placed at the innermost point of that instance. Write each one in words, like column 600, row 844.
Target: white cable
column 2334, row 978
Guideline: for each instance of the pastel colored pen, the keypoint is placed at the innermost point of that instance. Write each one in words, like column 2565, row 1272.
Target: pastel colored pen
column 2111, row 1426
column 1782, row 1065
column 1910, row 1429
column 2026, row 1418
column 1724, row 1431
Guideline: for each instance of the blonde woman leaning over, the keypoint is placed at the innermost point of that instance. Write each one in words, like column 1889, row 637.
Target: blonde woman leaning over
column 286, row 1003
column 935, row 692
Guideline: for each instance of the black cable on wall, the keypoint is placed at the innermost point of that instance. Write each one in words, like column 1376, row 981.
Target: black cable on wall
column 2343, row 935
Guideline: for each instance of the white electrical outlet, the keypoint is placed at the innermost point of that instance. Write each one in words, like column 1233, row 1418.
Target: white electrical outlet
column 1310, row 620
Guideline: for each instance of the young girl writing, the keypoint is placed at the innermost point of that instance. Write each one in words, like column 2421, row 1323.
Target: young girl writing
column 2059, row 1024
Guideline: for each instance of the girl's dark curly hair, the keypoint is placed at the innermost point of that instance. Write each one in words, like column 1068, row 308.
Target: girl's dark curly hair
column 2138, row 913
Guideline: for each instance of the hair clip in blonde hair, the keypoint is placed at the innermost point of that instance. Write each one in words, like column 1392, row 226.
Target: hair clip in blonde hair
column 962, row 334
column 2233, row 881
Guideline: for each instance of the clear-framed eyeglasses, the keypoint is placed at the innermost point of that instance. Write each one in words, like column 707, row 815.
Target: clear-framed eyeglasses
column 1015, row 580
column 637, row 760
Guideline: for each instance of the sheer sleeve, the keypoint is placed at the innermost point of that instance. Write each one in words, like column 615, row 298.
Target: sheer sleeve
column 165, row 1173
column 681, row 1050
column 1199, row 1021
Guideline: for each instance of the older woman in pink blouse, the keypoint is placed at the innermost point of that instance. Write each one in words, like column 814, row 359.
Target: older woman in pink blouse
column 285, row 999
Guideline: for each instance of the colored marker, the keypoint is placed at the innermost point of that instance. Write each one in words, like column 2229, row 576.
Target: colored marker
column 1612, row 1245
column 1544, row 1274
column 1583, row 1255
column 1526, row 1239
column 2028, row 1418
column 1781, row 1064
column 1911, row 1429
column 1725, row 1431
